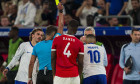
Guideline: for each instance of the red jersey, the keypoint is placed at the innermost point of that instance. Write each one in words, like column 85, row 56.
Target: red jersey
column 67, row 48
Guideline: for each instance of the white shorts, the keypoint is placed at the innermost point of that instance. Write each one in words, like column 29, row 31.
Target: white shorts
column 69, row 80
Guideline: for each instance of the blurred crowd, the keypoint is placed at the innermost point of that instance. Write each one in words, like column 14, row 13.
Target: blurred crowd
column 30, row 13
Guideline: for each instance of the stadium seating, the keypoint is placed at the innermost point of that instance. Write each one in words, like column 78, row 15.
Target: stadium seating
column 117, row 76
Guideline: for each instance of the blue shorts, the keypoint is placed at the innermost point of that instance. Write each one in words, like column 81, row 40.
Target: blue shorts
column 95, row 79
column 19, row 82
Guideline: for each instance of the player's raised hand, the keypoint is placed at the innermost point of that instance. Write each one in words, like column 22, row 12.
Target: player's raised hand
column 60, row 6
column 5, row 71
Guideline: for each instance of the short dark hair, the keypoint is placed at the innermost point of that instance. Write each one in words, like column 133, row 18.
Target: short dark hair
column 50, row 29
column 134, row 29
column 33, row 32
column 90, row 36
column 15, row 29
column 73, row 25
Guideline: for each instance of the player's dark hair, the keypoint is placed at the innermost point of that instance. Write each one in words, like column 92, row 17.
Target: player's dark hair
column 73, row 25
column 15, row 29
column 90, row 36
column 134, row 29
column 50, row 29
column 33, row 32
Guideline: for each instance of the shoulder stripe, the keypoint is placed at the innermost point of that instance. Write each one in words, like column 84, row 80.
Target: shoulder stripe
column 53, row 49
column 125, row 45
column 81, row 53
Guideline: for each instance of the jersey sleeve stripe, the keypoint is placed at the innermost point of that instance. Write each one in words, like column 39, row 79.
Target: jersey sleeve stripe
column 81, row 53
column 53, row 49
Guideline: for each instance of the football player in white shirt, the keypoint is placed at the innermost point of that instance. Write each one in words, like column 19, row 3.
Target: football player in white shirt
column 23, row 54
column 95, row 60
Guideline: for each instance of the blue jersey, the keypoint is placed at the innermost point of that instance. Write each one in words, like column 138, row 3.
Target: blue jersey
column 115, row 6
column 43, row 51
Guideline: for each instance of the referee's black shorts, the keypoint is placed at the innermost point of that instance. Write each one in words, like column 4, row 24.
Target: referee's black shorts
column 44, row 78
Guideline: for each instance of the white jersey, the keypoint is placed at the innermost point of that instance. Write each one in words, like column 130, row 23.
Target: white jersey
column 23, row 54
column 95, row 60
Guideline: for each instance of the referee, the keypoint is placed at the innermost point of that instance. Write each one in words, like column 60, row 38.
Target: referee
column 42, row 51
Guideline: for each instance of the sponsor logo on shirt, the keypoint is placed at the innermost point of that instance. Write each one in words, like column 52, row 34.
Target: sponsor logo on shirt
column 28, row 52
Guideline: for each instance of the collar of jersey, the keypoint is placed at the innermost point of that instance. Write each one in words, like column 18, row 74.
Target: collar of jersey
column 135, row 44
column 31, row 44
column 90, row 43
column 69, row 35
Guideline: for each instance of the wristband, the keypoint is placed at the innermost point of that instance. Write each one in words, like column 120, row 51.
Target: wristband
column 29, row 78
column 60, row 11
column 7, row 68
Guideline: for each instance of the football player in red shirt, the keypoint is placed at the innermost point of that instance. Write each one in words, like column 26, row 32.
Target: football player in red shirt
column 66, row 49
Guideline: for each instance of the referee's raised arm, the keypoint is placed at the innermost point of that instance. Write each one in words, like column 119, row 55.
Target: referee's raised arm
column 61, row 19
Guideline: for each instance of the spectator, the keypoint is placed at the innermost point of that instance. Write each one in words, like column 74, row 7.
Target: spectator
column 101, row 12
column 131, row 75
column 12, row 13
column 129, row 6
column 14, row 43
column 6, row 8
column 101, row 4
column 39, row 10
column 70, row 7
column 113, row 22
column 67, row 19
column 85, row 10
column 90, row 20
column 116, row 7
column 135, row 12
column 47, row 15
column 26, row 14
column 5, row 21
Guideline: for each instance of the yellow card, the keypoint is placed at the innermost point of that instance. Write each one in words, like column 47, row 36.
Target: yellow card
column 57, row 2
